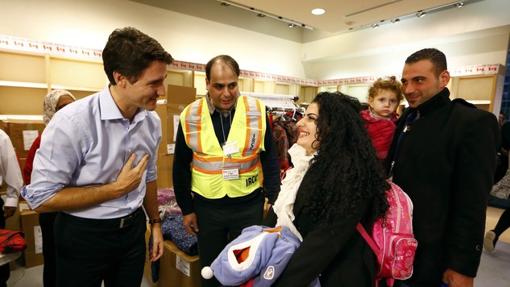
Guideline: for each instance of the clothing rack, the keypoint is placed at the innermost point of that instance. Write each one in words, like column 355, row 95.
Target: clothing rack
column 274, row 100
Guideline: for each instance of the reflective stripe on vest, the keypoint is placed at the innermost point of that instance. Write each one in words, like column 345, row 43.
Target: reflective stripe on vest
column 214, row 165
column 253, row 126
column 193, row 125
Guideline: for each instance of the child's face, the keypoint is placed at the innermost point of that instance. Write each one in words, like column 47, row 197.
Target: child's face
column 384, row 104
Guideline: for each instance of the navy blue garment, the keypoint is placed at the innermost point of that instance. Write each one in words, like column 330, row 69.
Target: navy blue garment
column 173, row 230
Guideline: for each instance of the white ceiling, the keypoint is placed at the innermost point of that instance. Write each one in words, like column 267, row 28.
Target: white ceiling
column 342, row 14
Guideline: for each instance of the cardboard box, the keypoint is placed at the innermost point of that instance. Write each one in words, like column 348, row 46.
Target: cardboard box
column 33, row 237
column 177, row 269
column 180, row 95
column 164, row 163
column 22, row 133
column 178, row 98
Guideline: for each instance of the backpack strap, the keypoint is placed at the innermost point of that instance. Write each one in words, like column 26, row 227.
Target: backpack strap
column 369, row 241
column 372, row 245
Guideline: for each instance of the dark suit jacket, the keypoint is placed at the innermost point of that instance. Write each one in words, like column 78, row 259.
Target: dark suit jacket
column 446, row 163
column 337, row 254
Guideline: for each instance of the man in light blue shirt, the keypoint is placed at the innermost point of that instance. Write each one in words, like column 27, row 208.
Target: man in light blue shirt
column 97, row 166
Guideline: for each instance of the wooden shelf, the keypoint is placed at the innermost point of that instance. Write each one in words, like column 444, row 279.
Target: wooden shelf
column 17, row 84
column 479, row 102
column 65, row 87
column 36, row 118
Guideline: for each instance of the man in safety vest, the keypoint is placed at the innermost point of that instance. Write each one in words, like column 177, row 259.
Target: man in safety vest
column 225, row 162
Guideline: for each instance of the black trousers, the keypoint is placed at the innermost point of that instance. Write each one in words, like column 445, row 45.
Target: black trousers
column 4, row 269
column 218, row 225
column 503, row 223
column 46, row 221
column 90, row 251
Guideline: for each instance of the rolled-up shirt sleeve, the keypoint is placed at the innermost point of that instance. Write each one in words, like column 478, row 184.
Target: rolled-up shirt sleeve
column 56, row 160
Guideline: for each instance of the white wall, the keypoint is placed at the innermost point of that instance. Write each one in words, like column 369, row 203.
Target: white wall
column 88, row 24
column 475, row 34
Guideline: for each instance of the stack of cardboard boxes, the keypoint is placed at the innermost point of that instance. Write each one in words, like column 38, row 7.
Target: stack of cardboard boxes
column 22, row 133
column 175, row 267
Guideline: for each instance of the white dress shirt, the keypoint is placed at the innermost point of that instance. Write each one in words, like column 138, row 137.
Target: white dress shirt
column 9, row 170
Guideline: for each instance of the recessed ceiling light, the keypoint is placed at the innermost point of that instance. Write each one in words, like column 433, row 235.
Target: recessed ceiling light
column 318, row 11
column 421, row 14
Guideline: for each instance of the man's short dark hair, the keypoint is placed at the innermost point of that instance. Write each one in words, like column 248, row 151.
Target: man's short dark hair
column 435, row 56
column 229, row 61
column 129, row 52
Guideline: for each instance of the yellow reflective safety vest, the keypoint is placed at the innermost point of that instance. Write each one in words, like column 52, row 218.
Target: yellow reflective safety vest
column 210, row 164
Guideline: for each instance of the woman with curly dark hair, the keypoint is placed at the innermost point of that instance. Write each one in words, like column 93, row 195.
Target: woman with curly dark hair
column 341, row 186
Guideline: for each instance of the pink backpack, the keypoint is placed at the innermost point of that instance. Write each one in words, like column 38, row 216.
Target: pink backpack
column 392, row 238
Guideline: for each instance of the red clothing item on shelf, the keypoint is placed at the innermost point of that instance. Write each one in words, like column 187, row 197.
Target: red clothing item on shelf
column 380, row 131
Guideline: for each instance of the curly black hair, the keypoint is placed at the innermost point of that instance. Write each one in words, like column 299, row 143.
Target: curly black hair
column 345, row 172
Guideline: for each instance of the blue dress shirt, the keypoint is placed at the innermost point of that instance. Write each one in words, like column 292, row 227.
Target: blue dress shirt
column 87, row 143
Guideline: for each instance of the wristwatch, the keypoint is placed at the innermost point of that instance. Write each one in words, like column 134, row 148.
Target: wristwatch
column 155, row 220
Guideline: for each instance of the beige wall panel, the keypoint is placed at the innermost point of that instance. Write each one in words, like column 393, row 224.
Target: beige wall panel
column 258, row 86
column 175, row 78
column 245, row 85
column 358, row 91
column 21, row 101
column 22, row 68
column 266, row 87
column 476, row 88
column 283, row 89
column 294, row 90
column 71, row 73
column 199, row 82
column 307, row 94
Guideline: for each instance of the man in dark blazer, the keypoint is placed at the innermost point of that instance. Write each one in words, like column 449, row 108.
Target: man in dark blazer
column 444, row 156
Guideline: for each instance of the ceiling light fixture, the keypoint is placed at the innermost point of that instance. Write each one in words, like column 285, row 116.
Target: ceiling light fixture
column 375, row 26
column 420, row 14
column 266, row 14
column 318, row 11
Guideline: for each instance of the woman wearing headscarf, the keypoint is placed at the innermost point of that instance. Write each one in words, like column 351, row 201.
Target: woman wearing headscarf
column 53, row 102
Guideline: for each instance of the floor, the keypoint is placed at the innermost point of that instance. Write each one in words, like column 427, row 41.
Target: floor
column 493, row 272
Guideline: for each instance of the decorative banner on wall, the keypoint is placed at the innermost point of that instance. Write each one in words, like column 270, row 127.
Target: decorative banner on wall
column 38, row 47
column 45, row 48
column 476, row 70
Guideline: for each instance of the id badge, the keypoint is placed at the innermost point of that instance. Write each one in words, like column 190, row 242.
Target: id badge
column 230, row 148
column 230, row 173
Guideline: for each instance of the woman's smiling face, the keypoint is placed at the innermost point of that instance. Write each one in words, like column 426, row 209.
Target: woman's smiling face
column 307, row 128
